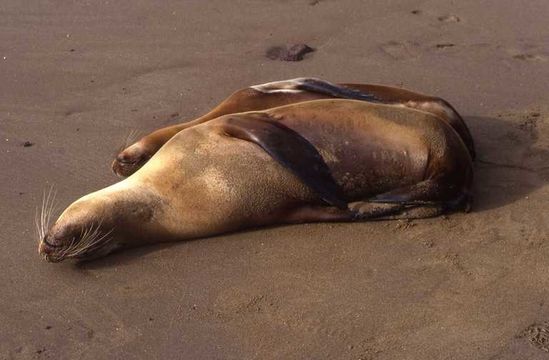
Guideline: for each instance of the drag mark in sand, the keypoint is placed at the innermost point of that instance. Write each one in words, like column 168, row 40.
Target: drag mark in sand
column 444, row 45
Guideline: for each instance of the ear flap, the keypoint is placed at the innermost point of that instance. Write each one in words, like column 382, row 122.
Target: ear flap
column 289, row 149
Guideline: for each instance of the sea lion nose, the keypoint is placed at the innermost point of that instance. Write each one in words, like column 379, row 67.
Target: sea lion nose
column 124, row 158
column 52, row 241
column 60, row 235
column 45, row 248
column 48, row 246
column 49, row 252
column 56, row 240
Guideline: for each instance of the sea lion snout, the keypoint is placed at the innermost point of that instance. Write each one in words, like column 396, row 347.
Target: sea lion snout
column 54, row 243
column 100, row 223
column 76, row 234
column 64, row 240
column 54, row 240
column 48, row 247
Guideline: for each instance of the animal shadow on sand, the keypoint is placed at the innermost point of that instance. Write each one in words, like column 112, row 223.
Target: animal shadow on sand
column 124, row 256
column 512, row 158
column 511, row 163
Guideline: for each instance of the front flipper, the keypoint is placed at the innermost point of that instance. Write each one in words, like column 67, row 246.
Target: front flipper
column 289, row 149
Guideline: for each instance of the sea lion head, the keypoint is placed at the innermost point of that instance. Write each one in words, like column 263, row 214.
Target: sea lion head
column 78, row 238
column 97, row 224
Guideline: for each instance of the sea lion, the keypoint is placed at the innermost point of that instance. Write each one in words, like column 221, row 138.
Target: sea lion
column 261, row 97
column 321, row 160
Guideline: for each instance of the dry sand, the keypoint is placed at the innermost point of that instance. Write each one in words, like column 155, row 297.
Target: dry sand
column 77, row 76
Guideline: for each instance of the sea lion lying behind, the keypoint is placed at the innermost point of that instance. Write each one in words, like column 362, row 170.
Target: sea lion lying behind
column 269, row 95
column 322, row 160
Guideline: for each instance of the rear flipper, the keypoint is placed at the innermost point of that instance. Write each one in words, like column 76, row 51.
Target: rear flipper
column 429, row 193
column 289, row 149
column 364, row 210
column 422, row 200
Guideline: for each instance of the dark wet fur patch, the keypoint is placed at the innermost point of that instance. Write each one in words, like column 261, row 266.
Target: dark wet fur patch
column 324, row 87
column 292, row 151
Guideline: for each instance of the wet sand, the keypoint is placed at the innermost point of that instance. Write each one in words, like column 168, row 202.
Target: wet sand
column 76, row 77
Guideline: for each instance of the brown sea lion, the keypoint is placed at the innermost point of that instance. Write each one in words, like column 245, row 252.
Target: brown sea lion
column 261, row 97
column 322, row 160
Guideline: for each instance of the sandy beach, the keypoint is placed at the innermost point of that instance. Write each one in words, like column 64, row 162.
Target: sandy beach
column 77, row 76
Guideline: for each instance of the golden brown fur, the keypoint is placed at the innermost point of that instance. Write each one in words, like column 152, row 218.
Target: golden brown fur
column 271, row 95
column 203, row 182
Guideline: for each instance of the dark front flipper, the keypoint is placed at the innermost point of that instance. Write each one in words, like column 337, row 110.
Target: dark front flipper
column 289, row 149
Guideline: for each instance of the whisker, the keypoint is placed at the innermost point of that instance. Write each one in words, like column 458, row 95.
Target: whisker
column 89, row 239
column 83, row 239
column 68, row 249
column 37, row 225
column 43, row 219
column 39, row 219
column 128, row 140
column 42, row 212
column 132, row 136
column 51, row 206
column 91, row 244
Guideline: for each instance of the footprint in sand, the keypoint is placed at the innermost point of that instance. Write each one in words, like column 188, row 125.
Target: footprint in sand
column 449, row 19
column 530, row 57
column 530, row 125
column 527, row 51
column 401, row 51
column 537, row 335
column 444, row 45
column 524, row 141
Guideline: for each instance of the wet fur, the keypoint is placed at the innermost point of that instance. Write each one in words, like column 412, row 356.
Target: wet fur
column 205, row 181
column 279, row 93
